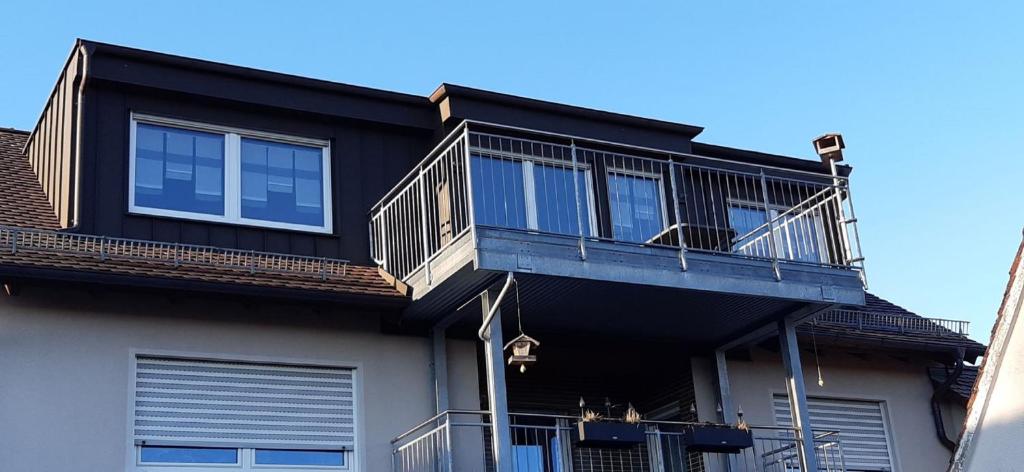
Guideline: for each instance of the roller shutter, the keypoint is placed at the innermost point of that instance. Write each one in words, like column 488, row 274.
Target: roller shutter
column 862, row 426
column 246, row 405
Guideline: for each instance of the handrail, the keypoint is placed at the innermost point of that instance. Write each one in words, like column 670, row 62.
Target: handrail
column 866, row 320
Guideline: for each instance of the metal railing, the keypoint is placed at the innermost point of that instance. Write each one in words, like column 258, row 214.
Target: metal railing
column 592, row 191
column 460, row 440
column 105, row 248
column 893, row 322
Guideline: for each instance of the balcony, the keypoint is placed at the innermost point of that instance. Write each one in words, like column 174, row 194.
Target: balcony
column 458, row 440
column 581, row 218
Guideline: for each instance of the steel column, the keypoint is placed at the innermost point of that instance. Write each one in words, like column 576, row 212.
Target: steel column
column 440, row 364
column 797, row 394
column 501, row 437
column 728, row 415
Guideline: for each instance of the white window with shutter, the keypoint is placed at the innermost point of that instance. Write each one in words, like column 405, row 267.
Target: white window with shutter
column 862, row 425
column 199, row 415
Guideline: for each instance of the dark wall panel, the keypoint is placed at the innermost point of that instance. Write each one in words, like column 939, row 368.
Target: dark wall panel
column 367, row 160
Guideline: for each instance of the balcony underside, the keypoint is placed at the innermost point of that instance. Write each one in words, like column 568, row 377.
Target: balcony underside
column 637, row 290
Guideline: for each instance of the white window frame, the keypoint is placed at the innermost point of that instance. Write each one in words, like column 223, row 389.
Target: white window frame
column 232, row 174
column 660, row 183
column 353, row 458
column 246, row 462
column 883, row 403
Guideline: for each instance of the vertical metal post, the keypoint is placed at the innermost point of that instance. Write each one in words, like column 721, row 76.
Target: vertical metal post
column 501, row 438
column 725, row 401
column 576, row 190
column 797, row 393
column 679, row 221
column 772, row 249
column 440, row 368
column 654, row 453
column 469, row 186
column 423, row 225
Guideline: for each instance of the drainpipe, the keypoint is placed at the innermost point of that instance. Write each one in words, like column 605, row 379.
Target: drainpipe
column 940, row 426
column 495, row 304
column 79, row 139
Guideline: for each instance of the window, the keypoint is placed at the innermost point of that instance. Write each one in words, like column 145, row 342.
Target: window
column 636, row 204
column 798, row 236
column 199, row 415
column 213, row 173
column 529, row 194
column 863, row 430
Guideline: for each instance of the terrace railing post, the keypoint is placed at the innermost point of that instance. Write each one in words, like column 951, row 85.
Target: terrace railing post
column 678, row 214
column 576, row 191
column 421, row 182
column 469, row 185
column 773, row 249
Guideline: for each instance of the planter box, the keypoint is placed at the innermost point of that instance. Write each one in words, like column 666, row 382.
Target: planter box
column 609, row 435
column 715, row 438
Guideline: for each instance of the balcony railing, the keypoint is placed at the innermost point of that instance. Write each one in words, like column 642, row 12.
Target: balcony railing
column 460, row 440
column 893, row 323
column 597, row 192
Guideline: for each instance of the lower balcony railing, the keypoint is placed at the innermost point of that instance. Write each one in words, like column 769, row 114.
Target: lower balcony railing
column 594, row 191
column 460, row 440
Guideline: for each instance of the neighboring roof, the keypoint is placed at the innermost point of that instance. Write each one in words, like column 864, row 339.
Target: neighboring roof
column 1007, row 320
column 936, row 339
column 31, row 248
column 22, row 201
column 963, row 385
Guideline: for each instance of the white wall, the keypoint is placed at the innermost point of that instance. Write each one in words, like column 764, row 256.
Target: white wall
column 65, row 368
column 999, row 434
column 903, row 386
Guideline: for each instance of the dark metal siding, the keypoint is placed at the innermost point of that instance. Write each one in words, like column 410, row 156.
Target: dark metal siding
column 50, row 148
column 367, row 160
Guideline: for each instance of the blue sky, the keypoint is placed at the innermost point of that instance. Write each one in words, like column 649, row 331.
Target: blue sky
column 929, row 95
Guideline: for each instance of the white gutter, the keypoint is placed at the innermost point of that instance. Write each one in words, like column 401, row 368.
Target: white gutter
column 495, row 305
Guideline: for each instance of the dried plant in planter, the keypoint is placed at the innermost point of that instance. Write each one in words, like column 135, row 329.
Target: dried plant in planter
column 590, row 416
column 632, row 416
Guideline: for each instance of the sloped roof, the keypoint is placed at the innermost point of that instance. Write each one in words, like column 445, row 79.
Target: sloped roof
column 963, row 385
column 30, row 247
column 937, row 339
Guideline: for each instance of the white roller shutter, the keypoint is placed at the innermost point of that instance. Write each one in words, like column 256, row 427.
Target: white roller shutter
column 862, row 426
column 233, row 404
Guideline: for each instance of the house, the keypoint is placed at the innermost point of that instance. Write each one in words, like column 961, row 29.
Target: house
column 993, row 421
column 207, row 267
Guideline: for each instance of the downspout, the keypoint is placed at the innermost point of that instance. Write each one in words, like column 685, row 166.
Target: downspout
column 494, row 308
column 940, row 426
column 79, row 140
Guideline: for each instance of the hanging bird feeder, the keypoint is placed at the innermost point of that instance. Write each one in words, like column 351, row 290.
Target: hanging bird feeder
column 521, row 347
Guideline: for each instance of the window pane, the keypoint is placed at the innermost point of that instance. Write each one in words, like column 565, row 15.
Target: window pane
column 747, row 220
column 282, row 182
column 178, row 169
column 498, row 197
column 288, row 457
column 636, row 207
column 556, row 200
column 189, row 455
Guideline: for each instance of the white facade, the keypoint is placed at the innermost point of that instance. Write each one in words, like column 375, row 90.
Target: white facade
column 67, row 355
